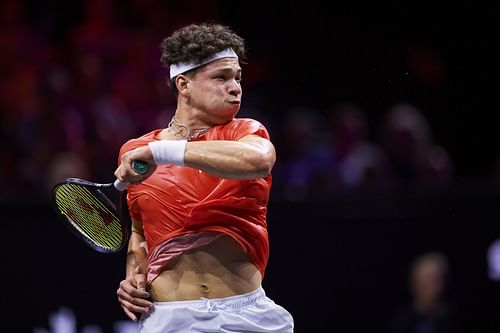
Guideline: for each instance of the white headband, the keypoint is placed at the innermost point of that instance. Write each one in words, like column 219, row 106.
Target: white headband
column 182, row 67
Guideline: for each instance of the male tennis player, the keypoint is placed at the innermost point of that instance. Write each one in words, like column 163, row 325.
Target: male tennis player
column 199, row 244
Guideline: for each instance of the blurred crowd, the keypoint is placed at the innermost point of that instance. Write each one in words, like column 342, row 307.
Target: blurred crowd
column 79, row 83
column 336, row 152
column 78, row 79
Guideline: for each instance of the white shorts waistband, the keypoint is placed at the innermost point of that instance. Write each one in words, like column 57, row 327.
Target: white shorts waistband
column 229, row 303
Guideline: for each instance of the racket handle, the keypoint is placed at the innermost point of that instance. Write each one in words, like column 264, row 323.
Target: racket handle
column 139, row 167
column 120, row 186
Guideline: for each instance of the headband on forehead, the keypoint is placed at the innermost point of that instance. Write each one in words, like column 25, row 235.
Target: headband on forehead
column 182, row 67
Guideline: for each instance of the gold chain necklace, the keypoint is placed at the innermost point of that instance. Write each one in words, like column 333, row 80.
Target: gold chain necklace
column 184, row 132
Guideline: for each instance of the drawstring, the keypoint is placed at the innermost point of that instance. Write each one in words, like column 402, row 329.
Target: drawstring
column 213, row 306
column 233, row 303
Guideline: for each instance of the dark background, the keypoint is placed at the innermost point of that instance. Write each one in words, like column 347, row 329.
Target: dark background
column 339, row 260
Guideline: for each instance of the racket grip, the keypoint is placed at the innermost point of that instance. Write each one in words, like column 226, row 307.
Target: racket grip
column 120, row 186
column 139, row 167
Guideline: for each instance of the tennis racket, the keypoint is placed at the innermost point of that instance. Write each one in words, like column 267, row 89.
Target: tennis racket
column 95, row 212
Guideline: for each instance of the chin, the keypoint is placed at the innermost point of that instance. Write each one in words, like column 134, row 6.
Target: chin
column 227, row 115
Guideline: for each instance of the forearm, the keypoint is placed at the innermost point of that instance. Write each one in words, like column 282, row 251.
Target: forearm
column 245, row 159
column 249, row 158
column 136, row 253
column 132, row 293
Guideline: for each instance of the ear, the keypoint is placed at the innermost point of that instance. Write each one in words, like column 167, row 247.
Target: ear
column 182, row 84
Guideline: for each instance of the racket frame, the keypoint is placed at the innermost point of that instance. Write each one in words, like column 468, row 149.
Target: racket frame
column 96, row 189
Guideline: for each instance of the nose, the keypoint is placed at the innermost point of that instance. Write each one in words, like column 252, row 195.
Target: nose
column 234, row 88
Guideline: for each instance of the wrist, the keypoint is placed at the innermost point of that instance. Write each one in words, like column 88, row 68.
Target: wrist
column 168, row 151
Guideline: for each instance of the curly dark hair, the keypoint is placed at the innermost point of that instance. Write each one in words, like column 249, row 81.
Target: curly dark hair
column 195, row 42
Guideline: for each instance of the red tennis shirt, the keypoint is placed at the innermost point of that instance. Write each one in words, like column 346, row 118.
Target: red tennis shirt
column 179, row 200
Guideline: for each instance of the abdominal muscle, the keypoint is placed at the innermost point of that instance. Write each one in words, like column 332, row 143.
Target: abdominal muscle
column 218, row 269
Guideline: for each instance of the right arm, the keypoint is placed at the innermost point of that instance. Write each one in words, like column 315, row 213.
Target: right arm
column 132, row 293
column 250, row 157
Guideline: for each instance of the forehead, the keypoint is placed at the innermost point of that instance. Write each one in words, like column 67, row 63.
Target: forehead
column 226, row 64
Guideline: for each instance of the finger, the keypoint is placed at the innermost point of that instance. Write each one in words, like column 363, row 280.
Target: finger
column 126, row 286
column 129, row 314
column 134, row 307
column 133, row 294
column 119, row 173
column 139, row 304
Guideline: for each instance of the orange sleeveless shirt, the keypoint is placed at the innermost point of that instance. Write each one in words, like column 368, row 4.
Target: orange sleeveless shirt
column 178, row 200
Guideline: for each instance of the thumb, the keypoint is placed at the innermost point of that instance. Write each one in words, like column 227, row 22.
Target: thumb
column 140, row 281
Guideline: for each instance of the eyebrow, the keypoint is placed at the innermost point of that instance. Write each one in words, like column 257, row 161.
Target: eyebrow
column 226, row 70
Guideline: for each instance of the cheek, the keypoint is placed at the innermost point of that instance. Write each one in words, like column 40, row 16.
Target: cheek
column 209, row 93
column 212, row 99
column 214, row 96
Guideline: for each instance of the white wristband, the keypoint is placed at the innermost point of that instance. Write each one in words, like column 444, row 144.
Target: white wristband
column 168, row 151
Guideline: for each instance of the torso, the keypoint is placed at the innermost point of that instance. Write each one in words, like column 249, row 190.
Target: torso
column 219, row 269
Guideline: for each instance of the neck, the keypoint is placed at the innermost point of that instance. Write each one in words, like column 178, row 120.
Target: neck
column 184, row 131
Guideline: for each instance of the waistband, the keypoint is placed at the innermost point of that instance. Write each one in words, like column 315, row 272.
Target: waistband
column 227, row 303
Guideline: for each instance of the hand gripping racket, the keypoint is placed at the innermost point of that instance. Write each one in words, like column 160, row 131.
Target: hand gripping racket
column 95, row 212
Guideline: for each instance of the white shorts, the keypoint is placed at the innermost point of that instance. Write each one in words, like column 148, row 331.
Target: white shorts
column 251, row 312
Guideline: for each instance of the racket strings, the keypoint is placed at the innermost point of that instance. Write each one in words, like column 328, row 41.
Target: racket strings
column 89, row 215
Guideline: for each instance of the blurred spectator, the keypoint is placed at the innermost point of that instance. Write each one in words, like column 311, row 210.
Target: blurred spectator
column 429, row 310
column 493, row 259
column 358, row 163
column 416, row 160
column 65, row 165
column 493, row 272
column 304, row 158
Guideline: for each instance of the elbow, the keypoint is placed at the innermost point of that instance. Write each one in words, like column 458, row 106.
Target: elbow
column 267, row 165
column 263, row 163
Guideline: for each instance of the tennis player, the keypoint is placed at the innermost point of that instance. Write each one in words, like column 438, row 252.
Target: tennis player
column 199, row 245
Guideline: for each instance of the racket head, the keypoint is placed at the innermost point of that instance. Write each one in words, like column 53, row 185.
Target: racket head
column 90, row 214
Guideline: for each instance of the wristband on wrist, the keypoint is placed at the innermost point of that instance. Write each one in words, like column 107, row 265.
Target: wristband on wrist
column 168, row 151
